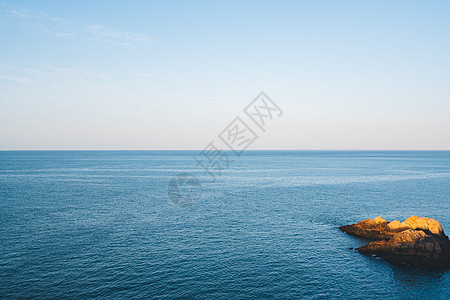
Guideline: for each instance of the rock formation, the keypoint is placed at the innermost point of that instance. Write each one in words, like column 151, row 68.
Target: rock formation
column 419, row 242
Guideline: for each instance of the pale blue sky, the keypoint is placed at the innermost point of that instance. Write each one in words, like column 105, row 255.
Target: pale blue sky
column 173, row 74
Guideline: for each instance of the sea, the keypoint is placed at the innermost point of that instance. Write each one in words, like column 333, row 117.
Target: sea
column 262, row 225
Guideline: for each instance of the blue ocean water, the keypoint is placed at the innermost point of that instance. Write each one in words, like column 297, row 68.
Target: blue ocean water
column 81, row 224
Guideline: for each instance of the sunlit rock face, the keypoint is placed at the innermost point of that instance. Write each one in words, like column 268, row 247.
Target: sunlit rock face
column 378, row 220
column 370, row 228
column 424, row 223
column 418, row 242
column 397, row 226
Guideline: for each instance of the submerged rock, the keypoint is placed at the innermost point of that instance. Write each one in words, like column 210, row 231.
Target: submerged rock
column 419, row 242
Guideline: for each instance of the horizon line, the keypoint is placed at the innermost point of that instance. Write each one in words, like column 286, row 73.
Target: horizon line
column 224, row 150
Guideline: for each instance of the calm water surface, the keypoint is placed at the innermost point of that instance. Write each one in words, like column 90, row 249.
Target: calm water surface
column 77, row 224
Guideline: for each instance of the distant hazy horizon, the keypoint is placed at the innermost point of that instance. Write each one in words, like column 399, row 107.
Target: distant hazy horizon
column 254, row 150
column 172, row 75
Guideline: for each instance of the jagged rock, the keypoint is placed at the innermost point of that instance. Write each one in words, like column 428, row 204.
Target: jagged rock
column 371, row 228
column 378, row 220
column 397, row 226
column 419, row 242
column 425, row 223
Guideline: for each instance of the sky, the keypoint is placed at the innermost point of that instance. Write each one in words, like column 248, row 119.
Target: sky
column 366, row 75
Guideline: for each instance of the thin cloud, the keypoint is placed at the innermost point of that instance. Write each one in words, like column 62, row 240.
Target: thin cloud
column 63, row 28
column 54, row 76
column 103, row 33
column 14, row 11
column 17, row 79
column 17, row 13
